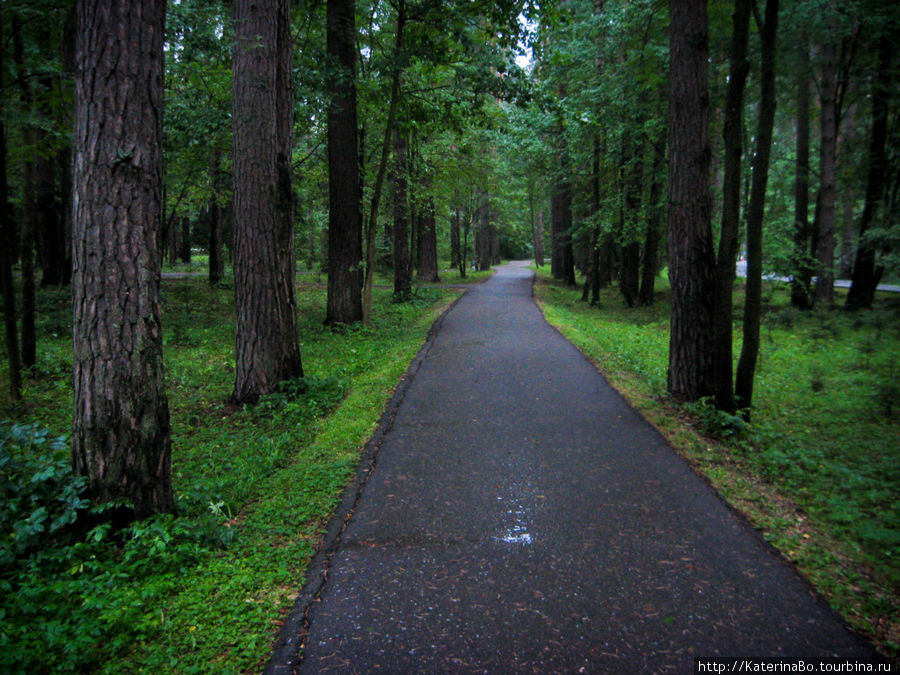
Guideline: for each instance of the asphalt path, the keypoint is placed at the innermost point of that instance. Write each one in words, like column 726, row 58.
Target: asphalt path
column 521, row 517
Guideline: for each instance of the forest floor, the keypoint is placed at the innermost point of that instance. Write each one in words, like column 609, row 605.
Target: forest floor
column 518, row 515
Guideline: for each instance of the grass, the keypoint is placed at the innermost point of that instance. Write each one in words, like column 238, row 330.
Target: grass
column 818, row 469
column 204, row 591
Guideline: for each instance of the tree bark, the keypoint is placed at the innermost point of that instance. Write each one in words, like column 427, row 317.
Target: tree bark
column 121, row 436
column 399, row 177
column 824, row 293
column 800, row 258
column 731, row 206
column 216, row 222
column 865, row 278
column 428, row 259
column 7, row 252
column 654, row 223
column 746, row 368
column 691, row 266
column 344, row 303
column 266, row 344
column 454, row 239
column 539, row 239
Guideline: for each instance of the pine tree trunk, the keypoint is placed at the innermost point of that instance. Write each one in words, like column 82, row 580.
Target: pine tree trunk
column 865, row 279
column 344, row 303
column 428, row 260
column 654, row 223
column 7, row 252
column 824, row 293
column 746, row 368
column 266, row 345
column 691, row 260
column 399, row 178
column 216, row 222
column 121, row 435
column 801, row 272
column 731, row 206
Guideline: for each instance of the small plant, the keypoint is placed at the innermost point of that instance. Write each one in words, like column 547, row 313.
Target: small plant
column 817, row 378
column 716, row 422
column 887, row 391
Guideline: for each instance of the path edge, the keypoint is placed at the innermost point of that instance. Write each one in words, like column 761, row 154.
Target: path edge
column 285, row 655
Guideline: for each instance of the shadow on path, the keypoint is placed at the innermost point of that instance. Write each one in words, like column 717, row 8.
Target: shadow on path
column 522, row 518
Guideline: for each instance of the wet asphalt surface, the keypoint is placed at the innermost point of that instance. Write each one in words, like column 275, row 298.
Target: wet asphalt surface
column 522, row 518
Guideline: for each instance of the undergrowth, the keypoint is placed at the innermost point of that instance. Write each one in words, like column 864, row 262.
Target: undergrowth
column 817, row 468
column 202, row 590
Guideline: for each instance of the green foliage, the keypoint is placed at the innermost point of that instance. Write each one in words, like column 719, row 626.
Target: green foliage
column 203, row 590
column 39, row 495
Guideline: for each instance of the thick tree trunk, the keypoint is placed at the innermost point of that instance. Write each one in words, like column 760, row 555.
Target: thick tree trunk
column 632, row 188
column 800, row 257
column 266, row 345
column 121, row 436
column 865, row 278
column 731, row 206
column 399, row 178
column 824, row 294
column 746, row 368
column 691, row 260
column 344, row 304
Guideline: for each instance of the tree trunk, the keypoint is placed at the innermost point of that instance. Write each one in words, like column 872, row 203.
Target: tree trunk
column 654, row 223
column 266, row 345
column 865, row 279
column 691, row 266
column 344, row 304
column 746, row 368
column 29, row 205
column 592, row 278
column 7, row 252
column 372, row 221
column 827, row 169
column 483, row 238
column 539, row 239
column 184, row 241
column 121, row 435
column 632, row 187
column 731, row 206
column 800, row 257
column 399, row 176
column 454, row 239
column 428, row 260
column 216, row 222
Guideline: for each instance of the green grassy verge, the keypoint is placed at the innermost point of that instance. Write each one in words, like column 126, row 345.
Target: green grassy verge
column 818, row 469
column 204, row 591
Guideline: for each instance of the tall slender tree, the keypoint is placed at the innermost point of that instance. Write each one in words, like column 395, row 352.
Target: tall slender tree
column 266, row 344
column 344, row 303
column 691, row 269
column 746, row 368
column 121, row 437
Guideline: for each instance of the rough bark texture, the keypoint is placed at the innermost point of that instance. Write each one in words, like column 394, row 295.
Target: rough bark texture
column 344, row 304
column 691, row 265
column 266, row 346
column 801, row 277
column 746, row 368
column 399, row 177
column 121, row 437
column 824, row 295
column 865, row 278
column 731, row 206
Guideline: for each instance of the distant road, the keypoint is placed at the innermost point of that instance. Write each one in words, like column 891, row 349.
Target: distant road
column 838, row 283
